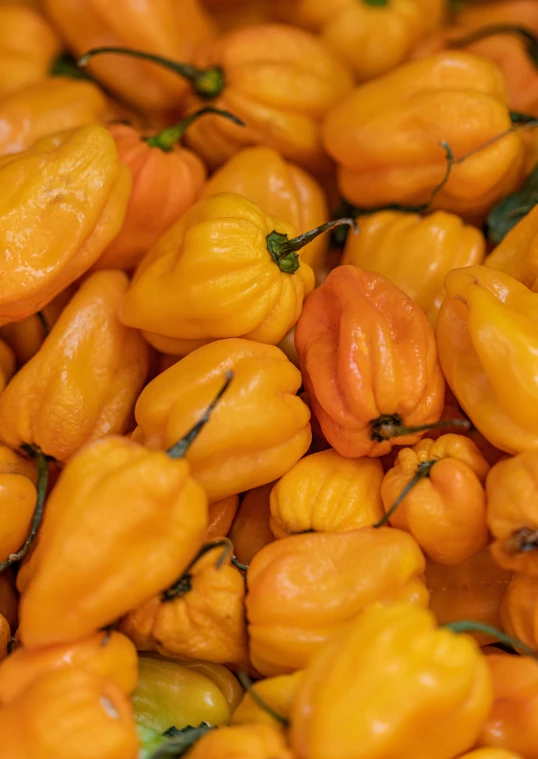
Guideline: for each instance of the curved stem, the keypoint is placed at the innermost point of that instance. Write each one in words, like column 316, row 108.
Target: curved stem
column 166, row 139
column 283, row 250
column 467, row 625
column 388, row 426
column 179, row 449
column 521, row 541
column 206, row 83
column 248, row 685
column 423, row 470
column 183, row 584
column 66, row 65
column 44, row 323
column 527, row 37
column 42, row 483
column 238, row 565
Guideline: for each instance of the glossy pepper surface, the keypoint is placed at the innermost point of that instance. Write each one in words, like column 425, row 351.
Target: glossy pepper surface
column 325, row 492
column 257, row 432
column 5, row 635
column 517, row 253
column 242, row 742
column 18, row 497
column 215, row 274
column 519, row 609
column 303, row 589
column 52, row 402
column 220, row 516
column 7, row 363
column 67, row 195
column 386, row 136
column 368, row 359
column 486, row 332
column 250, row 530
column 444, row 676
column 433, row 244
column 95, row 555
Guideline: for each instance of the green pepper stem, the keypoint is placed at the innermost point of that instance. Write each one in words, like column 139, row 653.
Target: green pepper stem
column 527, row 37
column 248, row 685
column 389, row 426
column 423, row 470
column 521, row 541
column 283, row 250
column 179, row 449
column 44, row 323
column 206, row 83
column 467, row 626
column 183, row 584
column 42, row 483
column 238, row 565
column 173, row 743
column 166, row 139
column 376, row 3
column 66, row 65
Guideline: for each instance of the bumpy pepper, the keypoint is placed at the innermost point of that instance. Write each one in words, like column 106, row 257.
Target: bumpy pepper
column 242, row 742
column 486, row 335
column 220, row 516
column 201, row 616
column 83, row 382
column 18, row 496
column 250, row 530
column 162, row 26
column 7, row 363
column 517, row 253
column 435, row 491
column 386, row 136
column 352, row 693
column 225, row 269
column 279, row 80
column 433, row 245
column 107, row 654
column 369, row 363
column 471, row 590
column 257, row 432
column 268, row 701
column 69, row 713
column 304, row 589
column 281, row 188
column 325, row 492
column 372, row 36
column 62, row 202
column 519, row 615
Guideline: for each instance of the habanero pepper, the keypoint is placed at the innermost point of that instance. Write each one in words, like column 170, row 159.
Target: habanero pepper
column 250, row 530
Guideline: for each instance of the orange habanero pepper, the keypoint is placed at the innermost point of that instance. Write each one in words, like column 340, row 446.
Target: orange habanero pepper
column 277, row 693
column 18, row 496
column 9, row 598
column 242, row 742
column 517, row 253
column 220, row 516
column 519, row 609
column 250, row 530
column 491, row 753
column 7, row 363
column 523, row 12
column 369, row 363
column 5, row 636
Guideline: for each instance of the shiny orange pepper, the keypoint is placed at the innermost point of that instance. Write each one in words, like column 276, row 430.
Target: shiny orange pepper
column 386, row 137
column 7, row 363
column 107, row 654
column 250, row 530
column 436, row 492
column 5, row 635
column 69, row 713
column 220, row 516
column 517, row 253
column 245, row 741
column 433, row 244
column 369, row 363
column 9, row 598
column 201, row 616
column 233, row 14
column 18, row 496
column 519, row 609
column 523, row 12
column 304, row 589
column 83, row 382
column 491, row 753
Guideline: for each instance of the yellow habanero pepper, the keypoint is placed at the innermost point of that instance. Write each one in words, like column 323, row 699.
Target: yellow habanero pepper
column 225, row 269
column 63, row 201
column 517, row 253
column 386, row 135
column 83, row 382
column 304, row 589
column 242, row 742
column 325, row 492
column 395, row 685
column 487, row 337
column 277, row 693
column 257, row 432
column 432, row 245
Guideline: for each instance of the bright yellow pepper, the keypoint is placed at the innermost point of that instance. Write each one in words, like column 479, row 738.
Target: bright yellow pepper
column 275, row 692
column 517, row 253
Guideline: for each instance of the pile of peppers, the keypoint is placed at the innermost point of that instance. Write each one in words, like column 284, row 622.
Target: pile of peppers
column 268, row 379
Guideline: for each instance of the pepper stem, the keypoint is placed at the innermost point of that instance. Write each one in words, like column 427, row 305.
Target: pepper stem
column 521, row 541
column 283, row 250
column 179, row 449
column 238, row 565
column 387, row 426
column 206, row 83
column 376, row 3
column 183, row 584
column 422, row 471
column 527, row 37
column 248, row 685
column 466, row 625
column 42, row 483
column 44, row 323
column 166, row 139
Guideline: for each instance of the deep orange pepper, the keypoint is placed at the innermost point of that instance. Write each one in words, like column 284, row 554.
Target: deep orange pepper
column 519, row 609
column 220, row 516
column 9, row 598
column 245, row 741
column 5, row 635
column 18, row 496
column 7, row 363
column 250, row 530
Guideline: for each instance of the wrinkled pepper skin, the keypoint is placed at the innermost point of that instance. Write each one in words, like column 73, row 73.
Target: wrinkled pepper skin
column 7, row 363
column 83, row 382
column 367, row 352
column 433, row 245
column 165, row 185
column 28, row 46
column 279, row 80
column 472, row 590
column 164, row 27
column 242, row 742
column 46, row 107
column 519, row 609
column 114, row 508
column 277, row 692
column 67, row 195
column 211, row 276
column 512, row 513
column 446, row 510
column 304, row 589
column 106, row 654
column 201, row 617
column 257, row 432
column 18, row 495
column 221, row 515
column 69, row 714
column 170, row 694
column 281, row 188
column 358, row 680
column 486, row 336
column 325, row 492
column 517, row 253
column 250, row 530
column 386, row 136
column 371, row 37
